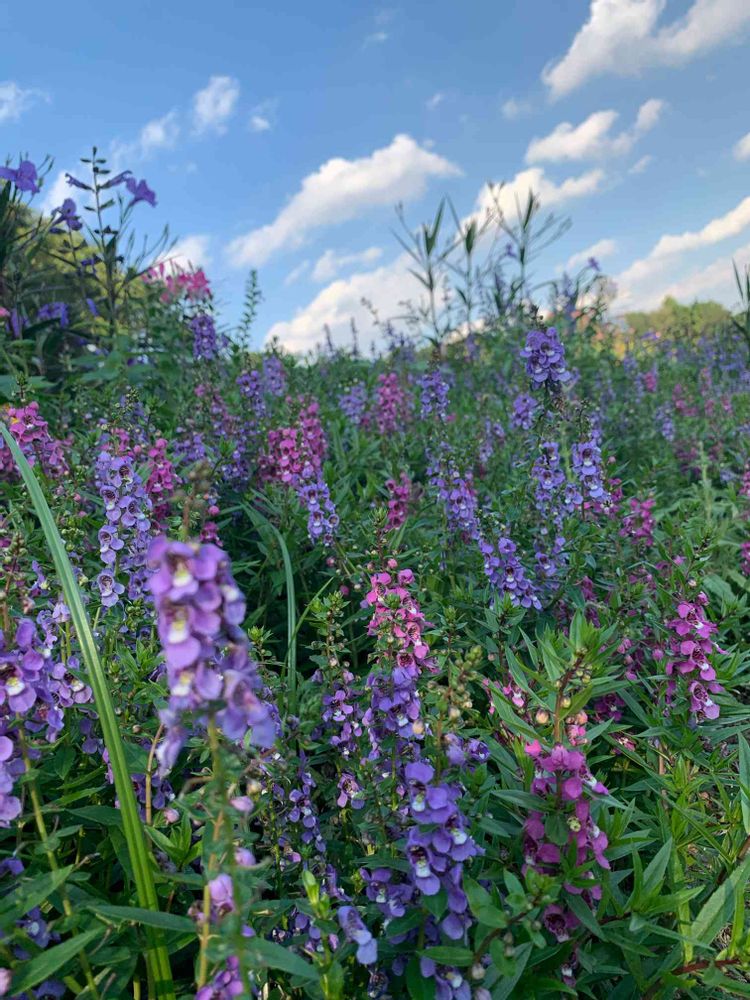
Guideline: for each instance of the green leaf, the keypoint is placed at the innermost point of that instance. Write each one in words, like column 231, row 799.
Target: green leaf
column 653, row 876
column 30, row 894
column 419, row 986
column 718, row 909
column 507, row 984
column 156, row 954
column 450, row 955
column 744, row 762
column 49, row 962
column 270, row 955
column 136, row 914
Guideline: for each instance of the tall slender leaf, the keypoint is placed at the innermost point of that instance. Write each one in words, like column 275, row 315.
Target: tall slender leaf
column 140, row 858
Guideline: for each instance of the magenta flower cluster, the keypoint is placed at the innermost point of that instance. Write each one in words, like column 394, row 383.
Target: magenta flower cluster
column 31, row 431
column 687, row 659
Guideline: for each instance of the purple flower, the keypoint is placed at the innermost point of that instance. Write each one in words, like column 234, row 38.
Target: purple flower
column 139, row 190
column 24, row 177
column 55, row 310
column 354, row 928
column 66, row 213
column 209, row 669
column 545, row 359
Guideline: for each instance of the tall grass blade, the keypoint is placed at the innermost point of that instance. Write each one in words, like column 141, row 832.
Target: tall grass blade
column 156, row 953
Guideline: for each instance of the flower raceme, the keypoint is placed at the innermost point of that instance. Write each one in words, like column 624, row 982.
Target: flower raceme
column 209, row 669
column 688, row 666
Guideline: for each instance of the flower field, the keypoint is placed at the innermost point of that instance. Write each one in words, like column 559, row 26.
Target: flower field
column 418, row 671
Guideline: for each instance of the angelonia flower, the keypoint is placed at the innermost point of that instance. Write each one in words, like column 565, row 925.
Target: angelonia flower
column 434, row 398
column 322, row 519
column 665, row 421
column 457, row 494
column 162, row 481
column 31, row 432
column 194, row 285
column 438, row 844
column 394, row 702
column 586, row 459
column 124, row 537
column 393, row 404
column 274, row 376
column 210, row 672
column 55, row 310
column 689, row 670
column 566, row 789
column 525, row 408
column 545, row 359
column 493, row 435
column 506, row 573
column 745, row 554
column 251, row 388
column 399, row 496
column 205, row 340
column 342, row 717
column 354, row 929
column 353, row 404
column 24, row 176
column 34, row 927
column 639, row 523
column 35, row 689
column 65, row 214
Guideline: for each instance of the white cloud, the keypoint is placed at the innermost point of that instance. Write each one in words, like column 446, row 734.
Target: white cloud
column 593, row 138
column 599, row 250
column 435, row 100
column 645, row 279
column 296, row 273
column 259, row 123
column 15, row 100
column 624, row 37
column 263, row 116
column 214, row 105
column 160, row 133
column 338, row 303
column 516, row 192
column 742, row 148
column 727, row 225
column 54, row 192
column 341, row 190
column 328, row 265
column 512, row 108
column 190, row 251
column 640, row 165
column 376, row 38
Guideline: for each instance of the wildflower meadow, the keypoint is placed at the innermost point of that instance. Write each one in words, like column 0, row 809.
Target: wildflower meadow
column 414, row 670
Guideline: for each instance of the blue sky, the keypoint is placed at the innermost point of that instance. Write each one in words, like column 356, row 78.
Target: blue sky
column 281, row 138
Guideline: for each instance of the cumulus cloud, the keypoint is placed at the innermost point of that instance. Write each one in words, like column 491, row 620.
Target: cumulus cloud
column 593, row 138
column 742, row 148
column 190, row 251
column 341, row 190
column 54, row 192
column 160, row 133
column 599, row 250
column 328, row 265
column 297, row 272
column 15, row 100
column 625, row 37
column 390, row 285
column 340, row 302
column 516, row 192
column 645, row 279
column 214, row 105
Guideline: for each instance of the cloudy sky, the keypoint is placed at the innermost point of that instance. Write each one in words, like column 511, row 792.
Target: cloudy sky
column 280, row 139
